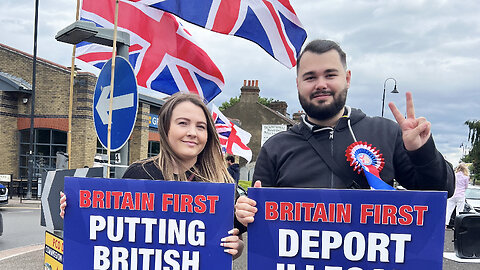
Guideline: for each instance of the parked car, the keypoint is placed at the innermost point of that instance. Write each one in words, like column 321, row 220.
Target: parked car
column 3, row 194
column 472, row 196
column 472, row 203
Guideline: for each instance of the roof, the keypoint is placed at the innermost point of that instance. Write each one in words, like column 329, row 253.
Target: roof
column 42, row 60
column 288, row 120
column 12, row 83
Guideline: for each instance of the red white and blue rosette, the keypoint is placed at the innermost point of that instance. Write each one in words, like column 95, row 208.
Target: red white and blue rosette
column 364, row 157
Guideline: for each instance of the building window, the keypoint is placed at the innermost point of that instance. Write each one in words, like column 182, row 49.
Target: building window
column 46, row 144
column 101, row 155
column 102, row 150
column 153, row 148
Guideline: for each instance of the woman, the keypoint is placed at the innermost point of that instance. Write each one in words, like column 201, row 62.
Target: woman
column 462, row 178
column 190, row 151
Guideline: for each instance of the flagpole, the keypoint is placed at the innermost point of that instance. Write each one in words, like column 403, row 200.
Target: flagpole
column 70, row 102
column 114, row 53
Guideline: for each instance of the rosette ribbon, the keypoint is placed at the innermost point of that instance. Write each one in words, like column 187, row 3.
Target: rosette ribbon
column 364, row 157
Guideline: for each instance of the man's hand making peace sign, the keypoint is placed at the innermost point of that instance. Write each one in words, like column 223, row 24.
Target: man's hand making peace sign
column 416, row 131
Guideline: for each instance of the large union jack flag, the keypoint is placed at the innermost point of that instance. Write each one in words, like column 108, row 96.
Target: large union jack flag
column 272, row 24
column 161, row 51
column 233, row 139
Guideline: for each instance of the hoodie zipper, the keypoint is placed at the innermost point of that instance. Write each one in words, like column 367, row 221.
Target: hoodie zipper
column 330, row 137
column 331, row 153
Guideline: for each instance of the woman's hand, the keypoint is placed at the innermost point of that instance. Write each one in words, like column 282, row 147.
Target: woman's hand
column 233, row 244
column 63, row 204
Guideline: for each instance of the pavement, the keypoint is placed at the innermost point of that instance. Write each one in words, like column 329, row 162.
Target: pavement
column 27, row 257
column 23, row 258
column 16, row 202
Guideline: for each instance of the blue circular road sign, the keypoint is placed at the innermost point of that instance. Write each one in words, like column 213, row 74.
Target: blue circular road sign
column 125, row 103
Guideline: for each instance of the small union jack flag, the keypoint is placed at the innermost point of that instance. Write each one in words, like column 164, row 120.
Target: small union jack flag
column 233, row 139
column 162, row 52
column 272, row 24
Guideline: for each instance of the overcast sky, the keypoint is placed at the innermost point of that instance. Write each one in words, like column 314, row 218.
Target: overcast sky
column 430, row 47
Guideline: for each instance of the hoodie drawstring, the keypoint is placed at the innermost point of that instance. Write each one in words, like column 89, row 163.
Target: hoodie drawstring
column 349, row 111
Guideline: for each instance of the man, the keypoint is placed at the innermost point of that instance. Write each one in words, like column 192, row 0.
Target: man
column 233, row 168
column 312, row 154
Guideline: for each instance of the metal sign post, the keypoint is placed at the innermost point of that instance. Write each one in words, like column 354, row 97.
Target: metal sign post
column 124, row 104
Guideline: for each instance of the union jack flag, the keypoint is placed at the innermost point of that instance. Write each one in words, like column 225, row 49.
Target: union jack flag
column 272, row 24
column 162, row 52
column 233, row 139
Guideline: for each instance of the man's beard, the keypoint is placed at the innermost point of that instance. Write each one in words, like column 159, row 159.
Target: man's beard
column 321, row 111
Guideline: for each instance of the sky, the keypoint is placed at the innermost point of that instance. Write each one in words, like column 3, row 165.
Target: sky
column 430, row 47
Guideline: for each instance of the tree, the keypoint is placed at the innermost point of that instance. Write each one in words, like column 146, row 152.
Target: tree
column 474, row 131
column 234, row 100
column 227, row 104
column 474, row 154
column 265, row 101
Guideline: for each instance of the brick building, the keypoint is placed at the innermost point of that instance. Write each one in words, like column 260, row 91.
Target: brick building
column 252, row 115
column 51, row 116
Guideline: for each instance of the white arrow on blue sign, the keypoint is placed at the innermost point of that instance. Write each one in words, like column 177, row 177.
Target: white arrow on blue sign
column 125, row 103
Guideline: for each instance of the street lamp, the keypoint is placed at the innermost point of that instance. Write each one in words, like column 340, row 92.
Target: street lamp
column 394, row 91
column 87, row 31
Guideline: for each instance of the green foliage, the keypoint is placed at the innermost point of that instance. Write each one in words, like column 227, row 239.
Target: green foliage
column 265, row 101
column 234, row 100
column 474, row 154
column 230, row 103
column 244, row 184
column 474, row 131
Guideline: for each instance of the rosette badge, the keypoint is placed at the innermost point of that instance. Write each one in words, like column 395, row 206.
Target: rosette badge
column 364, row 157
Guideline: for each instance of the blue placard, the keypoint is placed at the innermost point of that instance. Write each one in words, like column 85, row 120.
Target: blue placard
column 125, row 103
column 313, row 229
column 145, row 224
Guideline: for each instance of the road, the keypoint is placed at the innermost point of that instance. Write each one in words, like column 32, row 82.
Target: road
column 453, row 265
column 22, row 242
column 241, row 262
column 21, row 246
column 21, row 226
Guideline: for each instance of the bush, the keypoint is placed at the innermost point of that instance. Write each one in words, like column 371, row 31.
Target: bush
column 244, row 184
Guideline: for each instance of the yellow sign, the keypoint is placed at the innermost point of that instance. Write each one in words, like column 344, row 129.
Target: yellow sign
column 53, row 252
